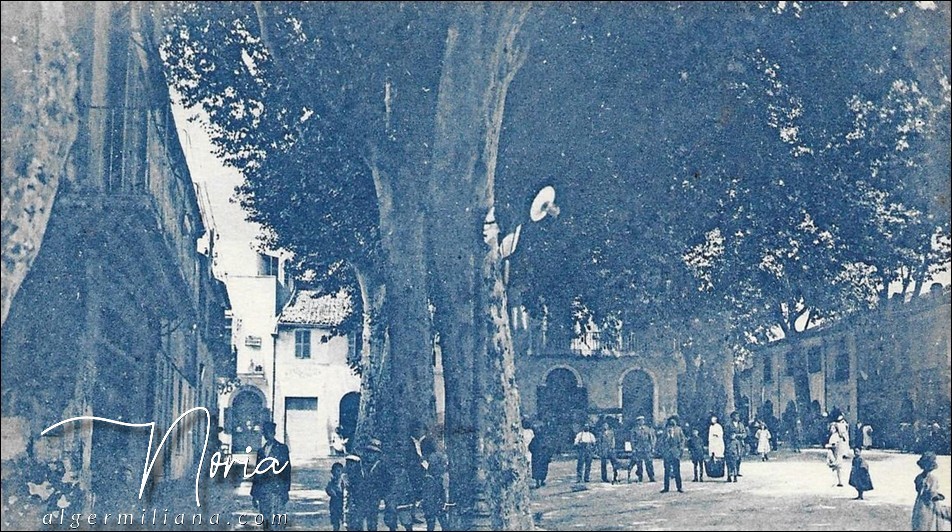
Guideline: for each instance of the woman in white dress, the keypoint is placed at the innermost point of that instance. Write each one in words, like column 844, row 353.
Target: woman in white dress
column 763, row 441
column 838, row 450
column 930, row 511
column 715, row 439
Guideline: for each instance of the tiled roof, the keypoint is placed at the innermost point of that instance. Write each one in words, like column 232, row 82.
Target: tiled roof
column 310, row 307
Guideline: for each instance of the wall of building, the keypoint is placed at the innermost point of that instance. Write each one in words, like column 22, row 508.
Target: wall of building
column 602, row 376
column 885, row 367
column 253, row 305
column 325, row 377
column 119, row 313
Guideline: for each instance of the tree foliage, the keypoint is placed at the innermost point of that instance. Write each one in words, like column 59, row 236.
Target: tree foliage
column 770, row 164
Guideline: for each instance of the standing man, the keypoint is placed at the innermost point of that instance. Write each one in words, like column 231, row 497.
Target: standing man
column 585, row 447
column 528, row 434
column 867, row 436
column 672, row 447
column 369, row 483
column 415, row 463
column 643, row 442
column 434, row 486
column 269, row 489
column 606, row 452
column 736, row 446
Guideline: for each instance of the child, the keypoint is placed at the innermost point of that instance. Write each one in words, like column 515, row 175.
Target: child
column 859, row 475
column 696, row 447
column 399, row 504
column 834, row 460
column 335, row 490
column 434, row 487
column 763, row 441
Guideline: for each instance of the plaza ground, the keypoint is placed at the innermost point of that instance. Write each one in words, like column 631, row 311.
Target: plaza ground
column 789, row 492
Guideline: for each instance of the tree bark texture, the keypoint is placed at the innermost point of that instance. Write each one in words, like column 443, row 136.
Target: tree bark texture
column 409, row 372
column 39, row 127
column 488, row 462
column 374, row 355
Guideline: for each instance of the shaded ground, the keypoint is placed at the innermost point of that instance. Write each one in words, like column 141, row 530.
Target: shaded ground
column 788, row 492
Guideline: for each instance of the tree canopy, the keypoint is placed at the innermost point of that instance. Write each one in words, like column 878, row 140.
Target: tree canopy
column 764, row 163
column 757, row 166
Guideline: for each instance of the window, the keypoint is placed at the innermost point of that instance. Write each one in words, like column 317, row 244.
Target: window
column 270, row 265
column 815, row 360
column 302, row 343
column 842, row 368
column 300, row 403
column 791, row 363
column 768, row 368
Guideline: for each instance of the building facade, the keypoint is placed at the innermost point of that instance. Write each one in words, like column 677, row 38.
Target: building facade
column 120, row 316
column 317, row 391
column 293, row 366
column 886, row 367
column 245, row 401
column 567, row 383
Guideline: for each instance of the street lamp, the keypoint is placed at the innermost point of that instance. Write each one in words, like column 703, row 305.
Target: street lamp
column 543, row 205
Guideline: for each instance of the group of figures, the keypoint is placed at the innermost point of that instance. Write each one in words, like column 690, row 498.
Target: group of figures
column 371, row 476
column 713, row 454
column 408, row 480
column 920, row 437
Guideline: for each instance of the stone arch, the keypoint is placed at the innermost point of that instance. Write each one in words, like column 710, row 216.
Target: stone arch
column 348, row 409
column 247, row 388
column 578, row 376
column 562, row 401
column 247, row 411
column 640, row 387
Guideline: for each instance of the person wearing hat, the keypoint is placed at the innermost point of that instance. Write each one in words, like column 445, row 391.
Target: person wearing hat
column 843, row 428
column 606, row 452
column 643, row 441
column 838, row 450
column 698, row 454
column 736, row 446
column 715, row 439
column 435, row 481
column 369, row 485
column 272, row 482
column 929, row 511
column 672, row 448
column 585, row 447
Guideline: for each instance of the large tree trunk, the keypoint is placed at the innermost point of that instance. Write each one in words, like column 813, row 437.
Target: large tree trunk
column 409, row 372
column 39, row 127
column 374, row 355
column 488, row 466
column 729, row 368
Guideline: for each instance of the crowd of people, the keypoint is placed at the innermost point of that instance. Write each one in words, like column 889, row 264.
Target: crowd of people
column 411, row 481
column 715, row 453
column 408, row 482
